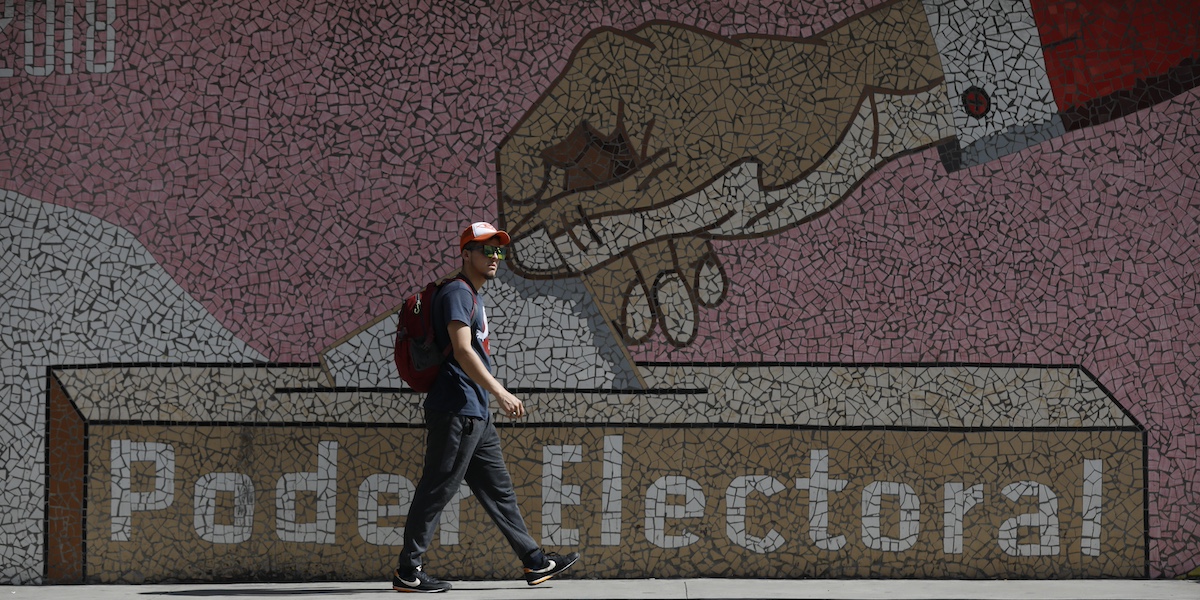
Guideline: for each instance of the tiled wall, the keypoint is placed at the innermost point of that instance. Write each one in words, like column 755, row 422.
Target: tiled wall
column 897, row 471
column 896, row 289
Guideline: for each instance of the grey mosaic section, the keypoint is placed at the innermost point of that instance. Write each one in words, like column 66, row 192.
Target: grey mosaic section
column 993, row 45
column 819, row 396
column 551, row 334
column 366, row 358
column 543, row 334
column 182, row 393
column 240, row 393
column 990, row 148
column 74, row 290
column 900, row 396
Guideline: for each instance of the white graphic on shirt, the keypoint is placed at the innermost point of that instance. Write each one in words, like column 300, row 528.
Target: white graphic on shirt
column 482, row 334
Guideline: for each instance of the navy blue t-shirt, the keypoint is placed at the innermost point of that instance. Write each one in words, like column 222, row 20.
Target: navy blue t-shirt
column 454, row 391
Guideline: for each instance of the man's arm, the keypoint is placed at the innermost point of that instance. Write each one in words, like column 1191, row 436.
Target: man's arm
column 460, row 340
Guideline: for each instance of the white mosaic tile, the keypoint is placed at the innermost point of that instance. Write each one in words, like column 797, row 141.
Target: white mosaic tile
column 993, row 45
column 77, row 290
column 545, row 334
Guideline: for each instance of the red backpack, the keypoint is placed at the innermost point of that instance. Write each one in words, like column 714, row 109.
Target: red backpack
column 417, row 357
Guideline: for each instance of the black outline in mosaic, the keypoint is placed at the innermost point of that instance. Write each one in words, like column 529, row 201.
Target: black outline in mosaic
column 515, row 390
column 1081, row 368
column 637, row 391
column 49, row 379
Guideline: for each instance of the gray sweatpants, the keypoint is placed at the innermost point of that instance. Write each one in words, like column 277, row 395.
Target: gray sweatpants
column 461, row 449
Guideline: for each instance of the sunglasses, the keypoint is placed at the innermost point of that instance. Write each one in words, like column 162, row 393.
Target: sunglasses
column 496, row 252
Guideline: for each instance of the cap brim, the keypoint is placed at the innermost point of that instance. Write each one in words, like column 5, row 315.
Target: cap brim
column 500, row 235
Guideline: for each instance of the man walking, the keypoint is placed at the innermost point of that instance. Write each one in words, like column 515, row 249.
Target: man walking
column 461, row 443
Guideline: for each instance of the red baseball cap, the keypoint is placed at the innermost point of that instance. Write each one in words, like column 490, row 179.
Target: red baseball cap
column 481, row 231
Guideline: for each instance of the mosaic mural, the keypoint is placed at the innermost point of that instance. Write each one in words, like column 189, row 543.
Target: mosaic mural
column 829, row 289
column 847, row 472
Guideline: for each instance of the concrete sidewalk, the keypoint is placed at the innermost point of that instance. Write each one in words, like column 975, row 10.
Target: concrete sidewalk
column 659, row 589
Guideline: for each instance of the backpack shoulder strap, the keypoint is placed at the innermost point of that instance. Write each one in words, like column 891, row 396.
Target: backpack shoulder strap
column 461, row 278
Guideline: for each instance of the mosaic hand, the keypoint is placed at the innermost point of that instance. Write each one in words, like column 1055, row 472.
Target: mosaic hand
column 649, row 139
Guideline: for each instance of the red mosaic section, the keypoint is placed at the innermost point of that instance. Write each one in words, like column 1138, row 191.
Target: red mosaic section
column 1093, row 49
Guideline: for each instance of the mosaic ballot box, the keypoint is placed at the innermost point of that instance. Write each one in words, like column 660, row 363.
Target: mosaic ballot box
column 258, row 472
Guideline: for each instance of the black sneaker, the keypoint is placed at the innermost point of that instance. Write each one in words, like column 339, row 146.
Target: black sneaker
column 418, row 581
column 555, row 564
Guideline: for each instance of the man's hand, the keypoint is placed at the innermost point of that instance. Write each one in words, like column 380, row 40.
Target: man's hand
column 510, row 405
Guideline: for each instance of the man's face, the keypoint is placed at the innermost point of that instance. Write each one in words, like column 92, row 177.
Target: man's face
column 484, row 257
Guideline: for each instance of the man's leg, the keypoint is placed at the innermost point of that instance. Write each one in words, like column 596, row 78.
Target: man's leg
column 489, row 480
column 450, row 443
column 493, row 487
